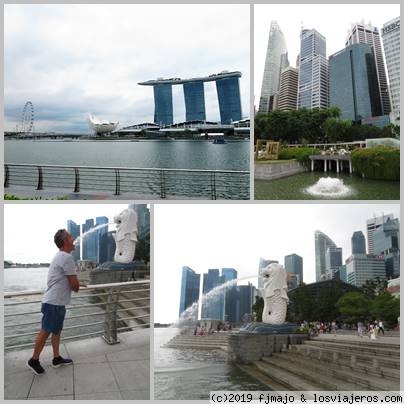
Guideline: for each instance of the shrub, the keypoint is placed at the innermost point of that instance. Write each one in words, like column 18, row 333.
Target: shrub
column 379, row 163
column 301, row 154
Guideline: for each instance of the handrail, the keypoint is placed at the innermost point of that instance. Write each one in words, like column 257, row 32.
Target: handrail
column 121, row 312
column 151, row 182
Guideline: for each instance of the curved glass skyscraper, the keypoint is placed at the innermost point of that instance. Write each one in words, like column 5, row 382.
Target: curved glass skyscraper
column 322, row 242
column 276, row 60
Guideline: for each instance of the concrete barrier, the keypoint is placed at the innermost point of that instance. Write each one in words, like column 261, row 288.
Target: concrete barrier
column 272, row 171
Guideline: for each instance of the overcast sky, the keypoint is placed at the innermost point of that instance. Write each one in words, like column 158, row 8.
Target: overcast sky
column 73, row 59
column 332, row 21
column 29, row 228
column 237, row 235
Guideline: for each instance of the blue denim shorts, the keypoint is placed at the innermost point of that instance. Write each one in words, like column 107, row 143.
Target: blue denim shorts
column 53, row 317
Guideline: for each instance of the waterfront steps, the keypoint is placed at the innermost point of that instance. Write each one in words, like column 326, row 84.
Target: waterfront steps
column 211, row 341
column 325, row 364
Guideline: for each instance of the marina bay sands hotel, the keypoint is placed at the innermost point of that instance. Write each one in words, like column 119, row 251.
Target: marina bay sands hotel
column 228, row 92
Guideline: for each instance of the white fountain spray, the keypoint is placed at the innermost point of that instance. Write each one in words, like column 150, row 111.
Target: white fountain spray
column 329, row 187
column 78, row 239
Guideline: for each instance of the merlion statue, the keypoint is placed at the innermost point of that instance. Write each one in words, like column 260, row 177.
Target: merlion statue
column 274, row 294
column 126, row 235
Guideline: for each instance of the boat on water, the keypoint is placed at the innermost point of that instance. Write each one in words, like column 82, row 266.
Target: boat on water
column 219, row 140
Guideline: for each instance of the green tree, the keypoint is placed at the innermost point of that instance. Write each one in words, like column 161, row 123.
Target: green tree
column 386, row 307
column 354, row 307
column 258, row 307
column 373, row 287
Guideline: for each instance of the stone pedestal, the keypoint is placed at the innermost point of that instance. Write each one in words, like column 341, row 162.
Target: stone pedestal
column 263, row 328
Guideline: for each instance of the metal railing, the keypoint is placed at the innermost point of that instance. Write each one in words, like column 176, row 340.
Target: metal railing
column 107, row 310
column 157, row 182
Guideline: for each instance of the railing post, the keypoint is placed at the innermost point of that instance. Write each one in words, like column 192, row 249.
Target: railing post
column 162, row 185
column 40, row 178
column 117, row 182
column 6, row 176
column 76, row 180
column 213, row 185
column 110, row 330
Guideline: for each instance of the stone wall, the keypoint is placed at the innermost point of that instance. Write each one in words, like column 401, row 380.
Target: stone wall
column 245, row 348
column 272, row 171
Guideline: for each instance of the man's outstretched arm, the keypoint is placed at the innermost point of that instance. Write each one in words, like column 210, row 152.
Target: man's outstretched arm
column 74, row 282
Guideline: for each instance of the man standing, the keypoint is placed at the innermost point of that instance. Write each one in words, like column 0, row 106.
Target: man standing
column 62, row 279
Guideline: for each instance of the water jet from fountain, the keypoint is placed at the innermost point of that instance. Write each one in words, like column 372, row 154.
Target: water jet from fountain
column 329, row 187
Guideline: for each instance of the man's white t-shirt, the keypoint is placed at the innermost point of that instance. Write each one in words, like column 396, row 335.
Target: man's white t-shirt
column 58, row 287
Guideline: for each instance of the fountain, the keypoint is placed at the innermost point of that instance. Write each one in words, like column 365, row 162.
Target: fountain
column 329, row 187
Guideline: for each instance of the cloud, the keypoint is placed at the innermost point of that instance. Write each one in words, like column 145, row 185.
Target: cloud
column 71, row 59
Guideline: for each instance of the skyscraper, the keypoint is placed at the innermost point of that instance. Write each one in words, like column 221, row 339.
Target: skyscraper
column 333, row 261
column 194, row 96
column 231, row 296
column 287, row 99
column 189, row 288
column 163, row 104
column 364, row 33
column 294, row 266
column 386, row 242
column 313, row 71
column 74, row 230
column 107, row 247
column 89, row 241
column 99, row 233
column 391, row 45
column 358, row 243
column 213, row 306
column 372, row 225
column 354, row 87
column 276, row 60
column 321, row 243
column 228, row 94
column 363, row 267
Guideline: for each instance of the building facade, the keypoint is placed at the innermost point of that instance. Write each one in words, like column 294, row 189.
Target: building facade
column 391, row 45
column 354, row 87
column 371, row 225
column 275, row 61
column 213, row 304
column 358, row 243
column 333, row 261
column 163, row 104
column 287, row 99
column 89, row 241
column 363, row 267
column 194, row 97
column 189, row 289
column 294, row 268
column 228, row 94
column 74, row 230
column 321, row 243
column 107, row 247
column 364, row 33
column 313, row 71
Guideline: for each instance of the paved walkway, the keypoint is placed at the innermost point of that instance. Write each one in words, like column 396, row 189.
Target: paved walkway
column 100, row 371
column 389, row 338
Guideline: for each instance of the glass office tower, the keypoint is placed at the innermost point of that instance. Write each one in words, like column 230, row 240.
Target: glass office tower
column 194, row 96
column 163, row 104
column 228, row 93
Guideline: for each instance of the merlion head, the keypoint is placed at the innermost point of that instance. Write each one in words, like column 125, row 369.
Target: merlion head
column 126, row 235
column 275, row 278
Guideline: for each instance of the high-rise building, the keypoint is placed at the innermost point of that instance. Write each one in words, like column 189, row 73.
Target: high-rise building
column 143, row 219
column 342, row 274
column 74, row 230
column 263, row 264
column 354, row 86
column 213, row 305
column 275, row 61
column 163, row 104
column 89, row 241
column 363, row 267
column 333, row 261
column 391, row 45
column 364, row 33
column 229, row 274
column 321, row 243
column 287, row 99
column 358, row 243
column 189, row 288
column 386, row 243
column 294, row 267
column 107, row 247
column 228, row 94
column 231, row 296
column 194, row 96
column 99, row 233
column 313, row 71
column 372, row 225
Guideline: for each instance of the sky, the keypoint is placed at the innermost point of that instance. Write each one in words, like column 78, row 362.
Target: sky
column 29, row 228
column 237, row 235
column 332, row 21
column 72, row 59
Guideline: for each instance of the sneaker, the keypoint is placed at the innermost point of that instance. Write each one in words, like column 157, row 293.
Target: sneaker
column 59, row 361
column 35, row 366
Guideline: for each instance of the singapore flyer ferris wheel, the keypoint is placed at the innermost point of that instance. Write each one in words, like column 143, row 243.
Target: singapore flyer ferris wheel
column 27, row 118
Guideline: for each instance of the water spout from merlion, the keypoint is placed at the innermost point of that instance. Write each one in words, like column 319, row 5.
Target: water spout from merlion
column 126, row 236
